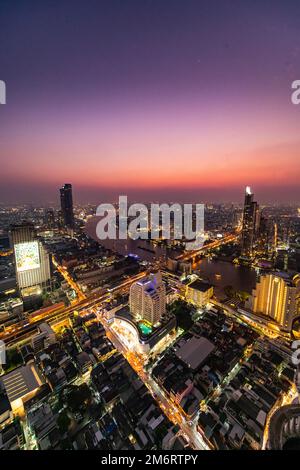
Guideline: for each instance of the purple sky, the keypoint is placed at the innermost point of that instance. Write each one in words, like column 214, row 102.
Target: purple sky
column 160, row 100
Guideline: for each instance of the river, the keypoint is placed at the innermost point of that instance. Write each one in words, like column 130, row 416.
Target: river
column 223, row 273
column 219, row 273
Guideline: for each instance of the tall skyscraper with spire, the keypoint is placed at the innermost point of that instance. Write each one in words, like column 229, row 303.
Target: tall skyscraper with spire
column 66, row 202
column 250, row 223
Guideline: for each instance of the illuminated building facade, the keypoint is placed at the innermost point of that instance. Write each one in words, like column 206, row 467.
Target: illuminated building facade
column 21, row 385
column 138, row 336
column 275, row 241
column 66, row 202
column 32, row 261
column 278, row 298
column 250, row 224
column 148, row 299
column 199, row 293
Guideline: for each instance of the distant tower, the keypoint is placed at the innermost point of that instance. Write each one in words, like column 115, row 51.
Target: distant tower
column 263, row 236
column 148, row 299
column 275, row 240
column 49, row 218
column 250, row 223
column 66, row 202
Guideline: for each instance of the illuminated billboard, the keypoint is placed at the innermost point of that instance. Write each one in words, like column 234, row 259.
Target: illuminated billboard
column 27, row 256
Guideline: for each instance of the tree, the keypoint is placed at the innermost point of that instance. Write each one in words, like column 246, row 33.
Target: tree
column 13, row 360
column 229, row 291
column 79, row 397
column 182, row 310
column 63, row 422
column 242, row 295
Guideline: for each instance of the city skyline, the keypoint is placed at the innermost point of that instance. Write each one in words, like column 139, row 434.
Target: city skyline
column 148, row 101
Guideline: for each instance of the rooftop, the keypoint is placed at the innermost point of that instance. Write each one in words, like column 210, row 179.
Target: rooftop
column 21, row 381
column 202, row 286
column 194, row 351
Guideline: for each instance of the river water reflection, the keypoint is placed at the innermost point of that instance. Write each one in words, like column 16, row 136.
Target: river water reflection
column 223, row 273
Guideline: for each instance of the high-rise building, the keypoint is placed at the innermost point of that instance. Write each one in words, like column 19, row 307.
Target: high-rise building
column 250, row 224
column 148, row 299
column 66, row 202
column 32, row 261
column 49, row 218
column 277, row 297
column 263, row 236
column 275, row 239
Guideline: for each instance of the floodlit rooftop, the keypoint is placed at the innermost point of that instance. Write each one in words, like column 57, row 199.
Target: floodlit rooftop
column 21, row 382
column 200, row 285
column 194, row 351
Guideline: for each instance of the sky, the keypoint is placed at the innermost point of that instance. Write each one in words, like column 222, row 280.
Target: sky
column 161, row 100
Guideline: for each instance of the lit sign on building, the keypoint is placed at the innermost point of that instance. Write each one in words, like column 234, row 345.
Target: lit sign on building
column 27, row 256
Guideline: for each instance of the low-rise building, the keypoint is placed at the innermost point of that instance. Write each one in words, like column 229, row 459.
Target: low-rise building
column 11, row 437
column 199, row 293
column 43, row 424
column 194, row 351
column 5, row 409
column 20, row 385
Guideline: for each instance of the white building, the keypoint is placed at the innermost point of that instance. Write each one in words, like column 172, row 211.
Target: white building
column 148, row 299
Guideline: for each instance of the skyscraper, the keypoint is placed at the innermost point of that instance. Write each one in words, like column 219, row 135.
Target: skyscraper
column 275, row 239
column 66, row 202
column 148, row 299
column 49, row 218
column 250, row 224
column 277, row 297
column 263, row 236
column 32, row 261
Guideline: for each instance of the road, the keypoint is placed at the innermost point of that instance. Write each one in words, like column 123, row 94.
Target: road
column 170, row 409
column 64, row 272
column 23, row 330
column 6, row 253
column 259, row 328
